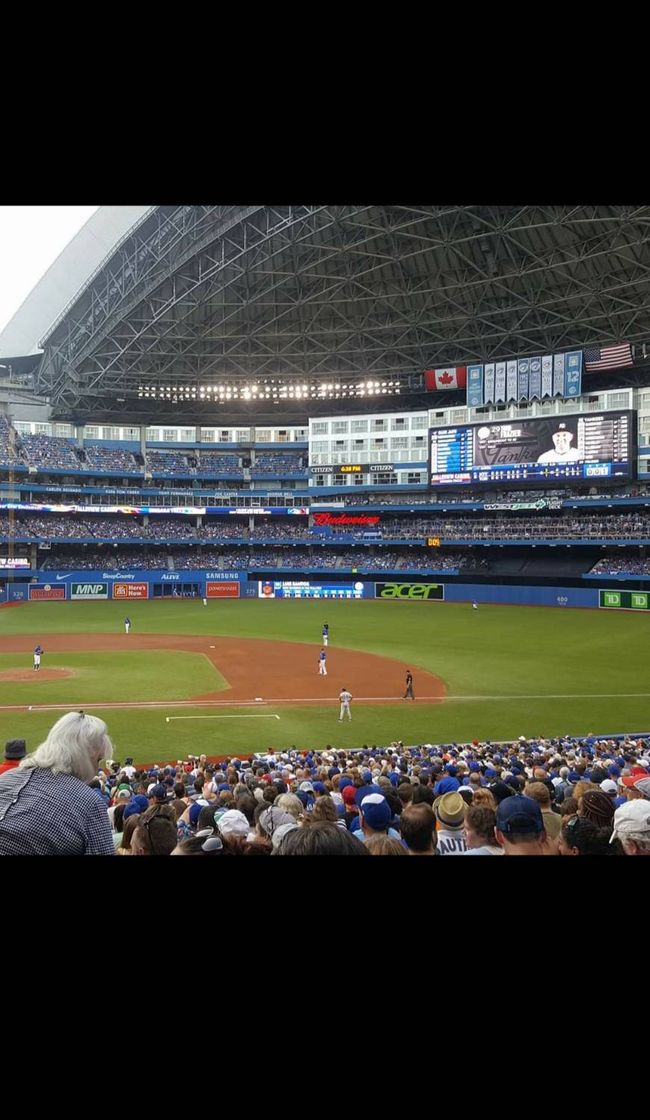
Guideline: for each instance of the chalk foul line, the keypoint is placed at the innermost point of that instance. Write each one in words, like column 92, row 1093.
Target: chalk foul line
column 323, row 701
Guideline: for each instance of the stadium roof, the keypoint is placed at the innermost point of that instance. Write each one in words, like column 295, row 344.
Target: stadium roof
column 195, row 297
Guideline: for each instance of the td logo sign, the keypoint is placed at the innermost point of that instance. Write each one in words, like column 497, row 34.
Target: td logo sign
column 409, row 591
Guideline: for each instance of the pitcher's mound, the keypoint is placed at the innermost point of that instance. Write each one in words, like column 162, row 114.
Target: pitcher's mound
column 30, row 675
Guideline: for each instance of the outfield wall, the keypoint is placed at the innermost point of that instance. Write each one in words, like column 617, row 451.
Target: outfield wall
column 133, row 585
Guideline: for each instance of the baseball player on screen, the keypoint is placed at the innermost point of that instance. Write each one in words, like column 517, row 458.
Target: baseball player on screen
column 127, row 624
column 38, row 651
column 322, row 663
column 326, row 634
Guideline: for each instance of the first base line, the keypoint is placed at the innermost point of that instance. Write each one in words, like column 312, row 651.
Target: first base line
column 168, row 719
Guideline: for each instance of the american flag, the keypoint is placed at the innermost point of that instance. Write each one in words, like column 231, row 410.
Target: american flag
column 609, row 357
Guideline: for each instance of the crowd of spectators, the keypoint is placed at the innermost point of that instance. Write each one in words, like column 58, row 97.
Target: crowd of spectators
column 167, row 462
column 107, row 559
column 267, row 558
column 50, row 452
column 208, row 462
column 277, row 463
column 537, row 796
column 8, row 440
column 621, row 565
column 569, row 527
column 109, row 459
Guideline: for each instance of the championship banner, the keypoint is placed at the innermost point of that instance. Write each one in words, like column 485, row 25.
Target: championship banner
column 547, row 381
column 474, row 386
column 221, row 590
column 523, row 373
column 130, row 591
column 489, row 384
column 500, row 382
column 558, row 375
column 573, row 374
column 541, row 370
column 511, row 381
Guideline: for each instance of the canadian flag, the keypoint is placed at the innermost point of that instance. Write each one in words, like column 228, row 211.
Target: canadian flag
column 451, row 377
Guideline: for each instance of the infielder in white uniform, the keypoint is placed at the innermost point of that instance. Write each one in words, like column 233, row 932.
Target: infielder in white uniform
column 345, row 697
column 326, row 634
column 127, row 625
column 322, row 663
column 37, row 658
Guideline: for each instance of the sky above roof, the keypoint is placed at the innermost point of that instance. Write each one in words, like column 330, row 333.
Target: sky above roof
column 31, row 238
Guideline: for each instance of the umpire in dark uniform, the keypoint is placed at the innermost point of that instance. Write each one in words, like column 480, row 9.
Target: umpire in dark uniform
column 409, row 686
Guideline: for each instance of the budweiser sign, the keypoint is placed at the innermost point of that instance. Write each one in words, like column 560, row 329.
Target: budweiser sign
column 343, row 519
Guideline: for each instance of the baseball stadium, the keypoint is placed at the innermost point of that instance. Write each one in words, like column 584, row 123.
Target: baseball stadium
column 323, row 482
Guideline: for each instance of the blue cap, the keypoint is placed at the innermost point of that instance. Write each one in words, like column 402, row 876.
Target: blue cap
column 320, row 787
column 195, row 810
column 363, row 791
column 376, row 810
column 519, row 814
column 446, row 785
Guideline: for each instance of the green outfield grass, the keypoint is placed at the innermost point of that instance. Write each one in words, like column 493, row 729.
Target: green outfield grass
column 508, row 671
column 131, row 676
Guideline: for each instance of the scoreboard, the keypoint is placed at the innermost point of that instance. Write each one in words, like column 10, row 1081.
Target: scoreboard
column 558, row 449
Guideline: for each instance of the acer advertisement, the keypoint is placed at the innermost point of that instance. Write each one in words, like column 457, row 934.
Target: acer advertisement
column 223, row 590
column 411, row 591
column 130, row 591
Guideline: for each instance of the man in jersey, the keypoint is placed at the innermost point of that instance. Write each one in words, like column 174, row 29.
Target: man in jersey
column 322, row 663
column 345, row 698
column 409, row 694
column 562, row 451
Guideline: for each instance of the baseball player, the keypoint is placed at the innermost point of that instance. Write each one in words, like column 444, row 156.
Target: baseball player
column 205, row 601
column 127, row 624
column 409, row 694
column 37, row 658
column 322, row 663
column 326, row 634
column 345, row 697
column 474, row 605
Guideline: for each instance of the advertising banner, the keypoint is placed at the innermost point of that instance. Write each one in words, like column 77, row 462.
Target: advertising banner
column 412, row 591
column 46, row 591
column 130, row 590
column 222, row 590
column 89, row 591
column 624, row 600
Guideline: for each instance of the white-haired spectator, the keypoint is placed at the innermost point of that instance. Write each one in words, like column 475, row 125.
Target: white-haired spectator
column 46, row 805
column 632, row 828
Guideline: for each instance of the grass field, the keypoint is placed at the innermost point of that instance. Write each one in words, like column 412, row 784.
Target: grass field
column 508, row 671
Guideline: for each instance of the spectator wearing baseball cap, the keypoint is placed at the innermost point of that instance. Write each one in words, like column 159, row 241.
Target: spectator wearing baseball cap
column 374, row 817
column 632, row 827
column 449, row 810
column 520, row 828
column 15, row 749
column 637, row 784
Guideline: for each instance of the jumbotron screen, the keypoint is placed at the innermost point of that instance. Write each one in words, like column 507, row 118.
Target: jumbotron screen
column 558, row 449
